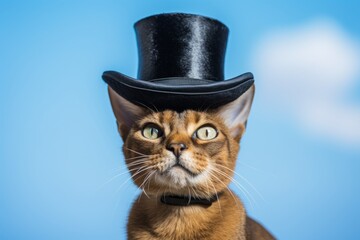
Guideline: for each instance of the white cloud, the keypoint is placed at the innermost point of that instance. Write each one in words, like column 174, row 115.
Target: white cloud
column 308, row 72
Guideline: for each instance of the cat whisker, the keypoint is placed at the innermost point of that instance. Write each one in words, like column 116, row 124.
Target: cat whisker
column 136, row 151
column 242, row 189
column 134, row 163
column 247, row 181
column 217, row 196
column 255, row 168
column 137, row 157
column 124, row 170
column 236, row 202
column 142, row 189
column 157, row 195
column 145, row 179
column 207, row 187
column 252, row 186
column 112, row 179
column 144, row 182
column 193, row 192
column 148, row 182
column 206, row 191
column 137, row 162
column 140, row 170
column 189, row 197
column 135, row 179
column 140, row 161
column 238, row 185
column 119, row 168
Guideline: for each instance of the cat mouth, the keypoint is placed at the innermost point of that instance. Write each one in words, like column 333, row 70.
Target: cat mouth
column 178, row 165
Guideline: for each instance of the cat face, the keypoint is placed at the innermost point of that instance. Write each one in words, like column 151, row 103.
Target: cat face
column 188, row 153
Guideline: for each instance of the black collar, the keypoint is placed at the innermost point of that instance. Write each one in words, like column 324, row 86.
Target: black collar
column 187, row 201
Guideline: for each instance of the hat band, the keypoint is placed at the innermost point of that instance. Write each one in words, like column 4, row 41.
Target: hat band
column 181, row 81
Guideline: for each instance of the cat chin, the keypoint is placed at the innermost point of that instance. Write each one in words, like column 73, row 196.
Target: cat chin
column 178, row 178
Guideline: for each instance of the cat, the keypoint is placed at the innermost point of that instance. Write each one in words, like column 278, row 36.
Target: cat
column 186, row 156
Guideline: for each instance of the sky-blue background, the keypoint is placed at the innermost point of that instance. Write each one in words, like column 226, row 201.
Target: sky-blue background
column 58, row 139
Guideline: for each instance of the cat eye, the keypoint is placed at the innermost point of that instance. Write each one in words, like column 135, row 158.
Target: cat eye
column 151, row 131
column 206, row 133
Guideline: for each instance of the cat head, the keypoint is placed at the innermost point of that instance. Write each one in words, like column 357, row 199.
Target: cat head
column 192, row 152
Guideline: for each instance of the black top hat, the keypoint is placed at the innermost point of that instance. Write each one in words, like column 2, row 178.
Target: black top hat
column 181, row 65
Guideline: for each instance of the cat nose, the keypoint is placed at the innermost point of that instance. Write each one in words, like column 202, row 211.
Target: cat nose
column 176, row 148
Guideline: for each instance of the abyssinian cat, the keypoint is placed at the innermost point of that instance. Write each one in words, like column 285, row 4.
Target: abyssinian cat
column 188, row 157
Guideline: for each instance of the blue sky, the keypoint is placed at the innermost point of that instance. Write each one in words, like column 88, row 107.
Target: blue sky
column 59, row 145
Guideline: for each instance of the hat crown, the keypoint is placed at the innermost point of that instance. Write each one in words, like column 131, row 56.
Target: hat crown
column 181, row 45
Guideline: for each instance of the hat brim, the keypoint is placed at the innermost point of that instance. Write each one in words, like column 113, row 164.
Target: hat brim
column 178, row 93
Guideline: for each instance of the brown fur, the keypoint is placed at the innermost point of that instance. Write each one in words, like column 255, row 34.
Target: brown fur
column 208, row 169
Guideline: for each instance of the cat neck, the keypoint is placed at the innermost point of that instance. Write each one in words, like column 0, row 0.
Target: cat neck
column 181, row 222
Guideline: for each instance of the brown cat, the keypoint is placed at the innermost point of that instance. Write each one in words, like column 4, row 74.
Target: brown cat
column 183, row 162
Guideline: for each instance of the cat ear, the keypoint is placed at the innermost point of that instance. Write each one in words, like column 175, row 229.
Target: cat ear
column 126, row 113
column 236, row 113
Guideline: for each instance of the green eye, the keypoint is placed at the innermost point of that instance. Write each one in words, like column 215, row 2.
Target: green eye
column 206, row 133
column 151, row 131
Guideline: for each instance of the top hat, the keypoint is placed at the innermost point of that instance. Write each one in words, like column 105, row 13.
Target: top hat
column 181, row 65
